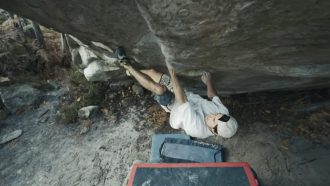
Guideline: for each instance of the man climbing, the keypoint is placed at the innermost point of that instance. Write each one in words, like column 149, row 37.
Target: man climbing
column 152, row 80
column 197, row 116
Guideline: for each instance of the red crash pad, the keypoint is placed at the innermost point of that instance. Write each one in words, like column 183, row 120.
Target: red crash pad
column 229, row 173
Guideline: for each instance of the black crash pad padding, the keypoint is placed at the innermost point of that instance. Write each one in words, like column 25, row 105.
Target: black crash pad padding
column 208, row 174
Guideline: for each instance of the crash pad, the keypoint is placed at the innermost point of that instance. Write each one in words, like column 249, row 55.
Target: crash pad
column 224, row 174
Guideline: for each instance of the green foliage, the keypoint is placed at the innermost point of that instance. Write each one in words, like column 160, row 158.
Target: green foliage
column 82, row 93
column 88, row 93
column 68, row 114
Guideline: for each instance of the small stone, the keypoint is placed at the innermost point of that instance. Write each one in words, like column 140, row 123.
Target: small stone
column 53, row 84
column 8, row 137
column 44, row 119
column 124, row 103
column 84, row 130
column 138, row 90
column 112, row 96
column 88, row 112
column 285, row 144
column 4, row 79
column 113, row 118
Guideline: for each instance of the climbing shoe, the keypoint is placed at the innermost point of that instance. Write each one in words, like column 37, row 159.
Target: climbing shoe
column 122, row 58
column 120, row 54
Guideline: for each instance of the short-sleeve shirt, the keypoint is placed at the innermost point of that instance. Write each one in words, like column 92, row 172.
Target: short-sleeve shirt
column 190, row 116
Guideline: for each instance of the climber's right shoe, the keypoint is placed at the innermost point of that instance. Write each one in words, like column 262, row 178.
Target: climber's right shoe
column 121, row 54
column 122, row 58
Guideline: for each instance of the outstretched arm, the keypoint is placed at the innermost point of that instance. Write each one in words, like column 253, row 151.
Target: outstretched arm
column 179, row 94
column 206, row 78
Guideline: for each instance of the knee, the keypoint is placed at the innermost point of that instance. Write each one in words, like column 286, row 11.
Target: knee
column 152, row 70
column 159, row 89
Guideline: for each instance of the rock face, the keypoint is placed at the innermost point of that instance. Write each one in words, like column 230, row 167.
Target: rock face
column 19, row 52
column 249, row 45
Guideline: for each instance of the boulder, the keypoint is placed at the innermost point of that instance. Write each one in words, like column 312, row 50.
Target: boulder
column 98, row 71
column 18, row 53
column 95, row 60
column 14, row 57
column 4, row 16
column 16, row 97
column 248, row 45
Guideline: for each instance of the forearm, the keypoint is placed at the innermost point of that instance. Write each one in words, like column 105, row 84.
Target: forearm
column 211, row 92
column 179, row 94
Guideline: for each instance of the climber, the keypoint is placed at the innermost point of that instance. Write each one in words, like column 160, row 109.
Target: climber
column 197, row 116
column 152, row 80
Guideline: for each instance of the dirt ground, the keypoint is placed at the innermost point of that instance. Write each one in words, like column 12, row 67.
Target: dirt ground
column 283, row 135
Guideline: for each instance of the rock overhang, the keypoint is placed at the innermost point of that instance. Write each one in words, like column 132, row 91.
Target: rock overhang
column 248, row 45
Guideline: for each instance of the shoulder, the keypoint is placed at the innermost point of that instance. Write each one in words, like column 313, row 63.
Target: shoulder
column 192, row 96
column 180, row 108
column 216, row 99
column 222, row 108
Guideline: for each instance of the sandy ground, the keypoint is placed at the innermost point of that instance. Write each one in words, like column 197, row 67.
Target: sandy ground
column 54, row 154
column 49, row 153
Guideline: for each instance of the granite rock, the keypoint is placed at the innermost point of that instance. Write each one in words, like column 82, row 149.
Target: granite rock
column 88, row 112
column 248, row 45
column 16, row 97
column 10, row 136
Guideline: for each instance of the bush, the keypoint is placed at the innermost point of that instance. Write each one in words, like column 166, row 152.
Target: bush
column 68, row 115
column 82, row 93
